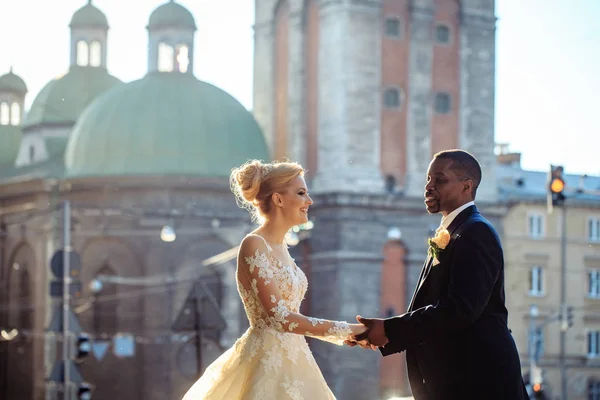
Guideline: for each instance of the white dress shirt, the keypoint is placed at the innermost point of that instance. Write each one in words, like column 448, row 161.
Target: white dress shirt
column 447, row 220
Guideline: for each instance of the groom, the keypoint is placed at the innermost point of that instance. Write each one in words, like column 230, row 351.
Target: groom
column 455, row 333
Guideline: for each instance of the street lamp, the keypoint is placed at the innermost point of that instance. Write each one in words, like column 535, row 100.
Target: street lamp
column 167, row 234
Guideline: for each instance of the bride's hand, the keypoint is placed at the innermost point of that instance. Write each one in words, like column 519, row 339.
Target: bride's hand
column 357, row 329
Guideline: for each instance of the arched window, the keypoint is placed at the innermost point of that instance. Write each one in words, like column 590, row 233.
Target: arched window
column 4, row 114
column 442, row 34
column 166, row 56
column 105, row 305
column 15, row 114
column 83, row 56
column 182, row 58
column 95, row 54
column 443, row 103
column 391, row 98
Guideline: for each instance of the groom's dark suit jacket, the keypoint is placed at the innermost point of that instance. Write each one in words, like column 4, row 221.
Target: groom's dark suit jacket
column 455, row 333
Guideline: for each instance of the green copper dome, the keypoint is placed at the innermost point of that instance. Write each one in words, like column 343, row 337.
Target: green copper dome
column 12, row 83
column 170, row 15
column 10, row 140
column 63, row 99
column 164, row 124
column 89, row 16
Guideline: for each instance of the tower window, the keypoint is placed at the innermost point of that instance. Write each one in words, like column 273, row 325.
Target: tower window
column 4, row 114
column 31, row 153
column 442, row 103
column 95, row 54
column 82, row 53
column 392, row 27
column 442, row 34
column 183, row 58
column 15, row 114
column 166, row 56
column 391, row 98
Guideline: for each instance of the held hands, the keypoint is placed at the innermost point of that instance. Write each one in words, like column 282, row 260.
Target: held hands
column 370, row 333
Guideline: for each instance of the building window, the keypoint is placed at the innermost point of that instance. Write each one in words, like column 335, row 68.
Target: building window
column 594, row 284
column 95, row 54
column 391, row 98
column 442, row 103
column 536, row 226
column 594, row 390
column 82, row 53
column 593, row 339
column 31, row 153
column 182, row 58
column 536, row 281
column 15, row 114
column 4, row 114
column 166, row 56
column 392, row 27
column 536, row 343
column 442, row 34
column 594, row 229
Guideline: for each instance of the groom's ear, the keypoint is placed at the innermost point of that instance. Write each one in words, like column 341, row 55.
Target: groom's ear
column 468, row 186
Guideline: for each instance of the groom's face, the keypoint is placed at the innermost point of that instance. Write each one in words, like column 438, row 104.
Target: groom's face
column 444, row 191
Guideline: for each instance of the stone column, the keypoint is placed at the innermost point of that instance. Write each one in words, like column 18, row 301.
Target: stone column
column 477, row 57
column 264, row 42
column 349, row 97
column 296, row 111
column 418, row 140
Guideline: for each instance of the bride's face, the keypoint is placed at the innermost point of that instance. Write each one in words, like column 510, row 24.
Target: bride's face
column 295, row 202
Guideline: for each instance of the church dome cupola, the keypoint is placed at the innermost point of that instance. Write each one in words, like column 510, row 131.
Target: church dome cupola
column 89, row 31
column 12, row 99
column 171, row 31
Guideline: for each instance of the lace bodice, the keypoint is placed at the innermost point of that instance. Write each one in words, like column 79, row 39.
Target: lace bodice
column 272, row 292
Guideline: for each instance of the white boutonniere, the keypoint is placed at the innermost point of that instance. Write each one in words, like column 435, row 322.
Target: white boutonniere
column 438, row 243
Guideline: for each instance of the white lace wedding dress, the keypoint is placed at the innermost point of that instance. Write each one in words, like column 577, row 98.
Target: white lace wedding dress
column 272, row 359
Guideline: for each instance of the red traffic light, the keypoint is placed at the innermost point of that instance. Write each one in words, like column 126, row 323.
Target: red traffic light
column 537, row 387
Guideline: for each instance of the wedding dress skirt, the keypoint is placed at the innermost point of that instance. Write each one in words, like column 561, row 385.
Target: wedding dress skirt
column 263, row 365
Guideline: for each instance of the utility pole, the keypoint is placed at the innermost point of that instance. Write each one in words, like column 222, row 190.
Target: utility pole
column 66, row 296
column 563, row 304
column 556, row 198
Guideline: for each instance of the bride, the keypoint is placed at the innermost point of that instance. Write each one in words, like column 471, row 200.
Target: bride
column 272, row 359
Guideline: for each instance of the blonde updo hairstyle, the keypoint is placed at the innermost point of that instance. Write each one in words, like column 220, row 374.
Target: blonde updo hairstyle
column 254, row 182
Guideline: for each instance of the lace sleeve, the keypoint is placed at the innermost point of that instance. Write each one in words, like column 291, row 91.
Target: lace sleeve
column 262, row 276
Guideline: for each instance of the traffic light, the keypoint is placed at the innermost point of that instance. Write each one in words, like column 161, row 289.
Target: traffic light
column 556, row 186
column 538, row 391
column 569, row 316
column 83, row 347
column 84, row 392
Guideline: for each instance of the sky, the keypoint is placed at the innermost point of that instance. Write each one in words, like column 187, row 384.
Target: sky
column 547, row 58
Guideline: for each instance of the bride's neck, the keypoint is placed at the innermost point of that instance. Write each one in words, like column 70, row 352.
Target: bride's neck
column 273, row 231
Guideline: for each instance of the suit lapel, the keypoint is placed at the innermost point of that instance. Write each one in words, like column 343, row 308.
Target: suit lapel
column 458, row 221
column 424, row 269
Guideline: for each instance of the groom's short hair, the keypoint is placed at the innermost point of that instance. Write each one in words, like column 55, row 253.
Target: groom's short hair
column 464, row 165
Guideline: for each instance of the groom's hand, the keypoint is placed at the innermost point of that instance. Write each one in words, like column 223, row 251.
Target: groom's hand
column 375, row 333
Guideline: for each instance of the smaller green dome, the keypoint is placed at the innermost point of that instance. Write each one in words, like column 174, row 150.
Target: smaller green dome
column 89, row 16
column 171, row 14
column 63, row 99
column 10, row 141
column 12, row 83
